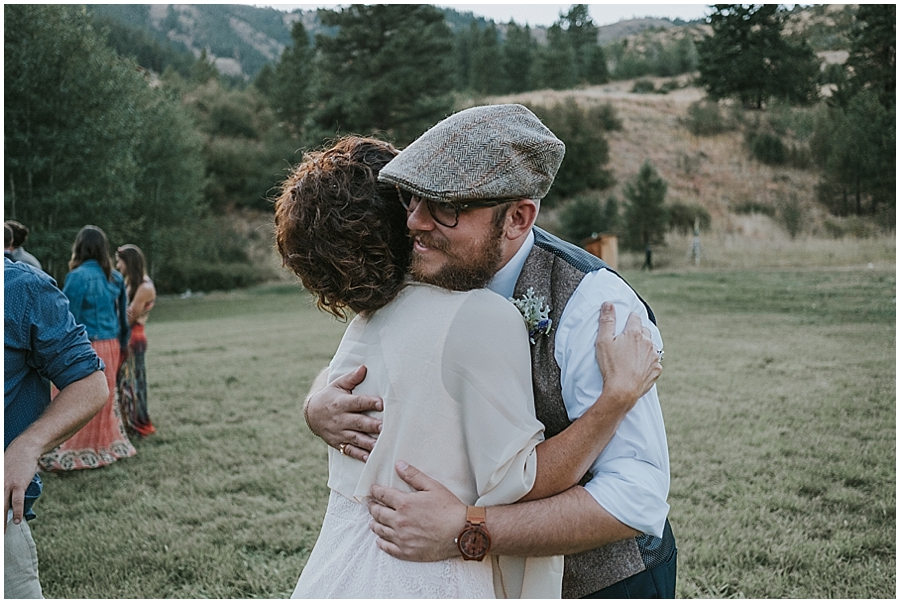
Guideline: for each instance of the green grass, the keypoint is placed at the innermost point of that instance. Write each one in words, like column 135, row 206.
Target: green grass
column 779, row 400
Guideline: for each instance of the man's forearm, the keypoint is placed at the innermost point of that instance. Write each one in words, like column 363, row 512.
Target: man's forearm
column 568, row 523
column 69, row 411
column 565, row 458
column 318, row 383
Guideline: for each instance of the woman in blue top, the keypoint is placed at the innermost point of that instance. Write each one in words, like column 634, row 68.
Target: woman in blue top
column 97, row 300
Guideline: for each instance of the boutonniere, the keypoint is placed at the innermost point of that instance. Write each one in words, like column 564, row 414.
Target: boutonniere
column 535, row 313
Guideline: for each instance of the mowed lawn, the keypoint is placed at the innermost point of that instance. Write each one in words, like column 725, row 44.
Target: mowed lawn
column 778, row 393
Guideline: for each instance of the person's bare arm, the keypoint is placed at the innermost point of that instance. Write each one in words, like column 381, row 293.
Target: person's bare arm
column 423, row 525
column 630, row 366
column 336, row 415
column 145, row 294
column 69, row 411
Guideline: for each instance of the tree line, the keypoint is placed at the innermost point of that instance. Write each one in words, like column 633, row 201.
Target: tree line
column 105, row 126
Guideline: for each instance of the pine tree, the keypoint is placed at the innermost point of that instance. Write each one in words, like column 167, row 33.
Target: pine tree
column 486, row 76
column 587, row 150
column 590, row 61
column 291, row 93
column 518, row 58
column 88, row 141
column 385, row 70
column 557, row 60
column 873, row 52
column 646, row 218
column 748, row 58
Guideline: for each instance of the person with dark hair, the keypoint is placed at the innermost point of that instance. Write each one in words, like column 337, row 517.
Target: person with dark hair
column 132, row 378
column 42, row 344
column 97, row 300
column 20, row 235
column 613, row 526
column 451, row 366
column 7, row 242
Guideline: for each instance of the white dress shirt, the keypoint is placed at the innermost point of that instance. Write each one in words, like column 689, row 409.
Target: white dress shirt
column 631, row 476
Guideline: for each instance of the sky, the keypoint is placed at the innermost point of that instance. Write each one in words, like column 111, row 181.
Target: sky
column 546, row 14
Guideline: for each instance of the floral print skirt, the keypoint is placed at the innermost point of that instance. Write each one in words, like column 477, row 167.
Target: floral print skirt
column 132, row 383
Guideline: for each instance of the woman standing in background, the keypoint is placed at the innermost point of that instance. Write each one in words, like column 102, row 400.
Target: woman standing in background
column 132, row 379
column 97, row 300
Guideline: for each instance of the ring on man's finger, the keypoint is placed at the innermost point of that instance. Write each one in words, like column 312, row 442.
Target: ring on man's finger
column 660, row 355
column 343, row 448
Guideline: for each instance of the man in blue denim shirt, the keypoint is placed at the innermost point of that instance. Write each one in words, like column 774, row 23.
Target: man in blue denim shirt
column 42, row 344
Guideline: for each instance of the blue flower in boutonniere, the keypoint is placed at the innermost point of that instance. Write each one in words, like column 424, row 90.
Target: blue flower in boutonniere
column 535, row 313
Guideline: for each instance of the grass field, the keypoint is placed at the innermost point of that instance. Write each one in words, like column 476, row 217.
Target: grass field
column 779, row 398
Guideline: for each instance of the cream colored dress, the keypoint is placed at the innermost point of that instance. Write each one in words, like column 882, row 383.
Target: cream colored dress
column 453, row 370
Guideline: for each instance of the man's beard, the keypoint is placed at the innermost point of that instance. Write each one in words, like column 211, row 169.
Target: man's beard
column 461, row 273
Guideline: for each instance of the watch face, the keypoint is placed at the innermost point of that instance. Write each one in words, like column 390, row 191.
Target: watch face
column 474, row 542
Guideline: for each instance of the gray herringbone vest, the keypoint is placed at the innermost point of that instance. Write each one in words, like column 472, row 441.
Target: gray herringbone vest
column 554, row 269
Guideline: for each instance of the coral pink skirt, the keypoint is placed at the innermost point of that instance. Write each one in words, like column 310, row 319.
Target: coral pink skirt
column 103, row 440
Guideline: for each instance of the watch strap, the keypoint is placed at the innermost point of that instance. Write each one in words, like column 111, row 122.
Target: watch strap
column 475, row 515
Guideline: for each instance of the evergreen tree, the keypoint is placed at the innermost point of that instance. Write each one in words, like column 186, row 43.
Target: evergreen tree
column 203, row 69
column 557, row 60
column 646, row 219
column 587, row 150
column 463, row 43
column 291, row 83
column 855, row 143
column 873, row 51
column 386, row 69
column 518, row 58
column 486, row 76
column 748, row 58
column 88, row 141
column 590, row 62
column 856, row 147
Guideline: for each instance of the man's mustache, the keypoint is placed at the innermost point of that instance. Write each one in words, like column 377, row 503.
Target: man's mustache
column 429, row 240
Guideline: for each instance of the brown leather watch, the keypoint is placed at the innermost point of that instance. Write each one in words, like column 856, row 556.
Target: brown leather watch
column 474, row 540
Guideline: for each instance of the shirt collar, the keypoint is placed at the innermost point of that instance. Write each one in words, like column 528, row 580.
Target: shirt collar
column 504, row 282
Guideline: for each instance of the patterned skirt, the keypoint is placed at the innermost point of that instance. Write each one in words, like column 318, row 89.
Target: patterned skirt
column 132, row 384
column 103, row 440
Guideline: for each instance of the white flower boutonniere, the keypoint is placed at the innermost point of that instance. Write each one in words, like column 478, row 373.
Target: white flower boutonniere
column 535, row 313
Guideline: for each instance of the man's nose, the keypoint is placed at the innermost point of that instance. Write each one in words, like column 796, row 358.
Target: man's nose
column 420, row 218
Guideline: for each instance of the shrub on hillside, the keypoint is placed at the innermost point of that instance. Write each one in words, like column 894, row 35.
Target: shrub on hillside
column 586, row 215
column 605, row 117
column 791, row 215
column 683, row 216
column 851, row 226
column 704, row 118
column 767, row 148
column 643, row 86
column 668, row 86
column 754, row 207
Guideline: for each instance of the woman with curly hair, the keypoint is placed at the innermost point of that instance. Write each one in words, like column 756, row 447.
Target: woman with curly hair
column 97, row 300
column 452, row 368
column 132, row 379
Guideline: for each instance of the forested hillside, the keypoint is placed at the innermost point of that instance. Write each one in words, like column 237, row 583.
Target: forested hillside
column 170, row 125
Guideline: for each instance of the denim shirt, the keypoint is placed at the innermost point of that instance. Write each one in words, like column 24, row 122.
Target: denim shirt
column 97, row 303
column 41, row 343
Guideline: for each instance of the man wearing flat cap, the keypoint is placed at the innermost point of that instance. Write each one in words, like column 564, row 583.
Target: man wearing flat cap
column 613, row 528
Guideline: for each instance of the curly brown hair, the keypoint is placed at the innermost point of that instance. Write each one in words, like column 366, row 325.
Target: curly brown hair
column 341, row 231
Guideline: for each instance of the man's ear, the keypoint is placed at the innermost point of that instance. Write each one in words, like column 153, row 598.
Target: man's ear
column 520, row 218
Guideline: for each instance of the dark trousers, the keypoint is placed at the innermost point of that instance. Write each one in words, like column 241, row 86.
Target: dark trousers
column 654, row 583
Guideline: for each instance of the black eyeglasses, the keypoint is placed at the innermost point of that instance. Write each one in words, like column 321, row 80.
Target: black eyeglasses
column 444, row 213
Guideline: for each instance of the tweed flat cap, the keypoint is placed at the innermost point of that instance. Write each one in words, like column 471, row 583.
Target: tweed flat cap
column 490, row 152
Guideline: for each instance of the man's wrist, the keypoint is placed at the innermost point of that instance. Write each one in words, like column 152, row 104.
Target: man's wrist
column 306, row 417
